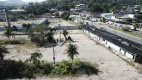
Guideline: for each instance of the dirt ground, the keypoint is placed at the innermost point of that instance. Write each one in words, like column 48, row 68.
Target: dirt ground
column 18, row 23
column 111, row 66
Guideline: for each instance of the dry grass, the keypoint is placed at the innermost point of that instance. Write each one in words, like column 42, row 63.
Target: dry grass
column 20, row 22
column 29, row 45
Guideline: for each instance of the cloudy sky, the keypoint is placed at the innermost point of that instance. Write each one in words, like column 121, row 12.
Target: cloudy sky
column 28, row 0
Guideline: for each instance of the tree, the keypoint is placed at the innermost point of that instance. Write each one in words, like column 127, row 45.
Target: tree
column 65, row 33
column 136, row 26
column 14, row 28
column 65, row 15
column 128, row 20
column 2, row 51
column 42, row 35
column 102, row 19
column 71, row 51
column 96, row 8
column 26, row 26
column 8, row 32
column 35, row 58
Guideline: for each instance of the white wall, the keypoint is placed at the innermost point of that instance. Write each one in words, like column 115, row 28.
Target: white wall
column 109, row 44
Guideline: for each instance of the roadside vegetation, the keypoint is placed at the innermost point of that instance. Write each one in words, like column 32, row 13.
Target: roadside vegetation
column 128, row 31
column 42, row 35
column 33, row 67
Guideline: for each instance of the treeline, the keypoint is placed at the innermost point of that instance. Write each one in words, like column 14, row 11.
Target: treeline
column 94, row 5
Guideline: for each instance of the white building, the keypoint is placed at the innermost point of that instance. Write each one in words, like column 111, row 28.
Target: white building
column 107, row 15
column 132, row 16
column 81, row 7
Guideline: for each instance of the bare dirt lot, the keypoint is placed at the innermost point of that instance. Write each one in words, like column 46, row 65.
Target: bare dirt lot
column 18, row 23
column 111, row 66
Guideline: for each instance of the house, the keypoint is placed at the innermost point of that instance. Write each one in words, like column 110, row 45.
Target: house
column 132, row 16
column 107, row 15
column 17, row 10
column 81, row 7
column 76, row 18
column 41, row 21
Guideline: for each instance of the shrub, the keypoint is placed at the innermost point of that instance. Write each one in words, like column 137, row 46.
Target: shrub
column 126, row 28
column 65, row 15
column 62, row 68
column 12, row 69
column 45, row 67
column 78, row 67
column 21, row 41
column 138, row 58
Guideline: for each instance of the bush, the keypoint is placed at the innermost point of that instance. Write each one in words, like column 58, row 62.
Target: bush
column 126, row 28
column 138, row 58
column 21, row 41
column 12, row 69
column 78, row 67
column 65, row 15
column 18, row 69
column 45, row 67
column 62, row 68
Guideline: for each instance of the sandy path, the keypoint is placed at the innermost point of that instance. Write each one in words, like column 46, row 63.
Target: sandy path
column 111, row 66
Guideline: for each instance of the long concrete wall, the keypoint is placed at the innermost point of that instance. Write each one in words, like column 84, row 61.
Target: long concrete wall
column 110, row 45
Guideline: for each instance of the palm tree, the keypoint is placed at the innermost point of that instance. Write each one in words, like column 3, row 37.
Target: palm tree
column 71, row 51
column 8, row 32
column 65, row 33
column 2, row 51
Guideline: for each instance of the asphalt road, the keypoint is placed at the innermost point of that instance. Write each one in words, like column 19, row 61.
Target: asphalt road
column 126, row 44
column 119, row 33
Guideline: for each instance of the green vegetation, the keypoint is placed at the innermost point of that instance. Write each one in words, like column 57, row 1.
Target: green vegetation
column 126, row 29
column 26, row 27
column 65, row 33
column 136, row 26
column 15, row 41
column 65, row 5
column 8, row 33
column 33, row 67
column 65, row 15
column 128, row 32
column 3, row 50
column 102, row 19
column 71, row 51
column 42, row 35
column 139, row 58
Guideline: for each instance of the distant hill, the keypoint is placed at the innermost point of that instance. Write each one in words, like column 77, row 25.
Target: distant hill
column 12, row 2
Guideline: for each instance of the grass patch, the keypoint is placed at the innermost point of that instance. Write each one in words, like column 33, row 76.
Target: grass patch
column 128, row 32
column 18, row 41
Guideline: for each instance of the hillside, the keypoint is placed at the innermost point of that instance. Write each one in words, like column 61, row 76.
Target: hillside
column 12, row 2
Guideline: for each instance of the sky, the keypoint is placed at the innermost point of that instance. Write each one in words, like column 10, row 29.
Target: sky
column 28, row 0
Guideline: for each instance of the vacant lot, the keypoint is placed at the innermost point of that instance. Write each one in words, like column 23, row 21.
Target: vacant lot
column 18, row 23
column 111, row 66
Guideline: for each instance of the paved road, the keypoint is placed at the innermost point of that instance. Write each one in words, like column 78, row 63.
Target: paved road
column 126, row 44
column 119, row 33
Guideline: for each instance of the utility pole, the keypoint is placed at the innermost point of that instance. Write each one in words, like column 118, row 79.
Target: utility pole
column 53, row 55
column 7, row 18
column 59, row 30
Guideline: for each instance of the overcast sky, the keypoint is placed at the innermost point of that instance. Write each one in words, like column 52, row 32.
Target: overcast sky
column 28, row 0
